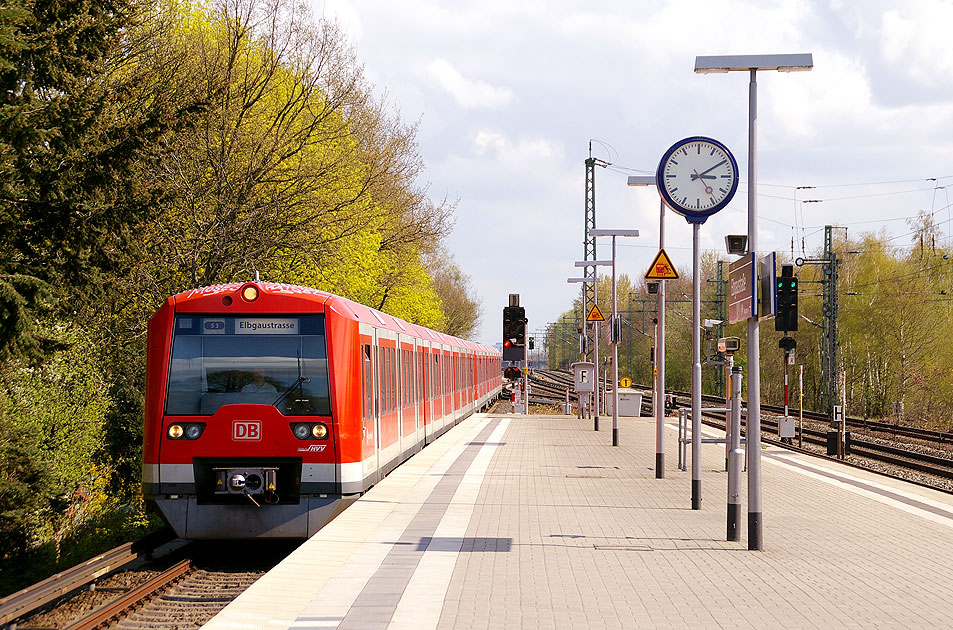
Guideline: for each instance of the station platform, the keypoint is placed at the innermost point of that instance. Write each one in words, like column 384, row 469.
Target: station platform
column 538, row 522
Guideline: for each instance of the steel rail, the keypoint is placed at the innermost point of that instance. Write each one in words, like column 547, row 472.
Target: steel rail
column 118, row 607
column 33, row 597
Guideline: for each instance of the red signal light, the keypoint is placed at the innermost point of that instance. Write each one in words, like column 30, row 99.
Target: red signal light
column 507, row 343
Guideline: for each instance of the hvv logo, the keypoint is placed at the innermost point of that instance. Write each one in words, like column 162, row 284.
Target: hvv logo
column 246, row 430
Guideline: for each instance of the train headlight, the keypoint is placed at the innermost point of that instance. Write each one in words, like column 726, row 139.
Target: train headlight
column 187, row 431
column 310, row 430
column 193, row 431
column 250, row 292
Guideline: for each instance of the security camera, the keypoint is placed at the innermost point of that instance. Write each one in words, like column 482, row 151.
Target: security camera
column 711, row 323
column 729, row 345
column 737, row 244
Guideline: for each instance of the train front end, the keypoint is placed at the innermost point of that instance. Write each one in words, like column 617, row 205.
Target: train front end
column 240, row 439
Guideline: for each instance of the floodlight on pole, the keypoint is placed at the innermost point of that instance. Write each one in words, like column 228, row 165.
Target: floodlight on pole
column 615, row 327
column 751, row 64
column 658, row 382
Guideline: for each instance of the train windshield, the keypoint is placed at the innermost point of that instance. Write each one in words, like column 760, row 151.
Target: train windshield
column 280, row 361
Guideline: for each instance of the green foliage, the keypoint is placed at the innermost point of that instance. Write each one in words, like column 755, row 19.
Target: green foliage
column 24, row 491
column 22, row 298
column 150, row 147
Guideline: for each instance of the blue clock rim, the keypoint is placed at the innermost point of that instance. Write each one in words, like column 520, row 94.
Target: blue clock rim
column 693, row 215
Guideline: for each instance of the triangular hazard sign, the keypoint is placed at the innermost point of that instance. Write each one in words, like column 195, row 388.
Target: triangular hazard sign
column 661, row 268
column 595, row 315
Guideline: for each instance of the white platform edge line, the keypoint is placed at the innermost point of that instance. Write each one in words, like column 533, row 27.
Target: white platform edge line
column 333, row 601
column 421, row 604
column 870, row 494
column 279, row 597
column 778, row 460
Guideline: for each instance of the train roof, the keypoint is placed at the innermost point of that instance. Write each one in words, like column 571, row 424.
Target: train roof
column 340, row 305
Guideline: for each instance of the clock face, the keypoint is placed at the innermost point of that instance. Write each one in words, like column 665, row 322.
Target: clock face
column 697, row 177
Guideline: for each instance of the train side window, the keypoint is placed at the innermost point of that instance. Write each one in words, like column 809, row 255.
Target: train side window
column 393, row 378
column 390, row 382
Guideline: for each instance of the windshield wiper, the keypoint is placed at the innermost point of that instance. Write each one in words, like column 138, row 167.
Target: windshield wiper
column 297, row 383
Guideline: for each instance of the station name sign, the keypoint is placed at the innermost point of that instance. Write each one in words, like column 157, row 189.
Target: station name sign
column 742, row 289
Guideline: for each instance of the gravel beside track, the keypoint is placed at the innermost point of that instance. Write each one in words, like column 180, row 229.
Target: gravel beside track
column 221, row 571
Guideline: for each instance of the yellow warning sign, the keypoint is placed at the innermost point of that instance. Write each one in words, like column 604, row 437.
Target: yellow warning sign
column 625, row 381
column 661, row 268
column 595, row 315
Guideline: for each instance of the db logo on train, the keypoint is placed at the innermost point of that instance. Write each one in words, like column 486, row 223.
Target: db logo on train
column 246, row 430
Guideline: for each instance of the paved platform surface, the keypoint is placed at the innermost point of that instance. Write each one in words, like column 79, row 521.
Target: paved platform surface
column 538, row 522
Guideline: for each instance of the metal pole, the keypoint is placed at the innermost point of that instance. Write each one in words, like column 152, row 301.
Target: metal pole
column 800, row 406
column 525, row 369
column 660, row 362
column 755, row 541
column 615, row 357
column 842, row 431
column 696, row 371
column 595, row 350
column 735, row 458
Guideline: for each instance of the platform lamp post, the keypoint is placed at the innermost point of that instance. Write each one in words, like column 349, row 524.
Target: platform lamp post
column 751, row 64
column 615, row 327
column 595, row 350
column 658, row 383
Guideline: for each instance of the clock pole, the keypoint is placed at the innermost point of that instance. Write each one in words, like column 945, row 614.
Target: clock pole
column 696, row 371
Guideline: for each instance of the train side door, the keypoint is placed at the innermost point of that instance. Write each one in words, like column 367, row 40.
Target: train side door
column 372, row 427
column 425, row 391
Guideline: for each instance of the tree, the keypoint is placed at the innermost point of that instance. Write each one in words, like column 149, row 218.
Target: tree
column 460, row 307
column 76, row 136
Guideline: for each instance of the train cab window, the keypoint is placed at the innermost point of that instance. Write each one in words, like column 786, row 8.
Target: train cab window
column 269, row 360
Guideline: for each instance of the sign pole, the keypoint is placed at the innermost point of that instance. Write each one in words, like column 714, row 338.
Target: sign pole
column 660, row 270
column 613, row 322
column 595, row 351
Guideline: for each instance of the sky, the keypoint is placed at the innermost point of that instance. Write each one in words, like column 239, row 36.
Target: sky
column 509, row 94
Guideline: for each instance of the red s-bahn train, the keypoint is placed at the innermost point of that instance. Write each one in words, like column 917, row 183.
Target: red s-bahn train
column 270, row 406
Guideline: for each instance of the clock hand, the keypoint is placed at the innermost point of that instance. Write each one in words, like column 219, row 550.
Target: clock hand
column 712, row 168
column 708, row 189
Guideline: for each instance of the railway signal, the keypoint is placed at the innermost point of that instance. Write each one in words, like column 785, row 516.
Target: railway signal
column 514, row 322
column 786, row 318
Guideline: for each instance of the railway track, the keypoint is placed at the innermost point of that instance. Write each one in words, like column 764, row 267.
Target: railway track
column 164, row 594
column 34, row 597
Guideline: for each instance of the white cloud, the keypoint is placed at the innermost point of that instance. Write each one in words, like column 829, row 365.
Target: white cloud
column 468, row 93
column 896, row 36
column 525, row 150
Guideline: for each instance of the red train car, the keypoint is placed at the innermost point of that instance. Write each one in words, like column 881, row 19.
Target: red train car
column 269, row 406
